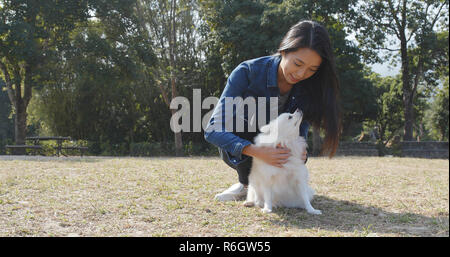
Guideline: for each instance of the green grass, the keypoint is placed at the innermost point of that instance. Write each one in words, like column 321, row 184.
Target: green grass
column 359, row 196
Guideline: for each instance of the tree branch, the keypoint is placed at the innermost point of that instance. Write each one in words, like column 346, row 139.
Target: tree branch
column 412, row 33
column 404, row 15
column 17, row 82
column 8, row 82
column 393, row 13
column 164, row 94
column 28, row 84
column 417, row 77
column 438, row 14
column 387, row 49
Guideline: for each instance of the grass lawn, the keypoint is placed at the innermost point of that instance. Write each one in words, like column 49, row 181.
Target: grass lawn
column 90, row 196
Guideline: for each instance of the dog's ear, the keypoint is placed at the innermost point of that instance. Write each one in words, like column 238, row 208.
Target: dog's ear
column 265, row 129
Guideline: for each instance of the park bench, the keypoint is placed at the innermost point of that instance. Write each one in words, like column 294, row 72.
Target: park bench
column 59, row 147
column 14, row 147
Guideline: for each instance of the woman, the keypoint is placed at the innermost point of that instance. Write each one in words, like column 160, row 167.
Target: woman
column 302, row 75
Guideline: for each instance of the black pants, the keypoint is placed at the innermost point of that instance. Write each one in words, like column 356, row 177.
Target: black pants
column 243, row 168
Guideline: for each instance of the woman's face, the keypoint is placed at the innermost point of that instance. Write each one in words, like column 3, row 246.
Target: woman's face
column 299, row 65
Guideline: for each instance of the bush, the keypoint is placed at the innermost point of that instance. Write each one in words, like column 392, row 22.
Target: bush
column 394, row 146
column 382, row 149
column 3, row 142
column 151, row 149
column 109, row 149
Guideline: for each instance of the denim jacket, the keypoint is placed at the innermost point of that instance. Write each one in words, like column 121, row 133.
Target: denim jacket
column 252, row 78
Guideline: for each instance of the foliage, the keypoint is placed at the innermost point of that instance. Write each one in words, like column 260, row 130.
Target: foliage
column 250, row 29
column 30, row 33
column 438, row 121
column 100, row 93
column 105, row 71
column 408, row 30
column 389, row 119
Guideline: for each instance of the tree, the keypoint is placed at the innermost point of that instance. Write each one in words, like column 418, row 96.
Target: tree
column 248, row 29
column 30, row 32
column 412, row 23
column 171, row 24
column 99, row 89
column 440, row 113
column 389, row 115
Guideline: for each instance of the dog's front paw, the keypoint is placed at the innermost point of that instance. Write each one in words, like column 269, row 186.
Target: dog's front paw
column 314, row 211
column 249, row 204
column 266, row 210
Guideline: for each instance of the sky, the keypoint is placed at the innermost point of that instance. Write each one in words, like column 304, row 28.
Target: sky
column 385, row 69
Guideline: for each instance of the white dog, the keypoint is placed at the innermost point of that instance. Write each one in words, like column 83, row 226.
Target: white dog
column 270, row 186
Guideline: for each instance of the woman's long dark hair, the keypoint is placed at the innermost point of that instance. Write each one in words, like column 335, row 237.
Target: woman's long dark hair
column 322, row 89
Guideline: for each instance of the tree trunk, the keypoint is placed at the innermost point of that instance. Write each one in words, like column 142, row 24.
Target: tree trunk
column 407, row 90
column 173, row 66
column 20, row 127
column 18, row 102
column 178, row 144
column 178, row 141
column 409, row 117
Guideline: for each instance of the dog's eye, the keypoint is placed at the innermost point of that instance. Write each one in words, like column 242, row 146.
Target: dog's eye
column 290, row 117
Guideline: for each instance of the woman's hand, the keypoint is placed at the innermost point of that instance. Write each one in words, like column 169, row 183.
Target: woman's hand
column 303, row 157
column 273, row 156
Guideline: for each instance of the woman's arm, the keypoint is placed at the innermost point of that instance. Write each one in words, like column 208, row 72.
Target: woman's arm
column 273, row 156
column 216, row 132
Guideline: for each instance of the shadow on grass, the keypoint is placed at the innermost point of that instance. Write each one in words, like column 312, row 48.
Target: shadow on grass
column 345, row 216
